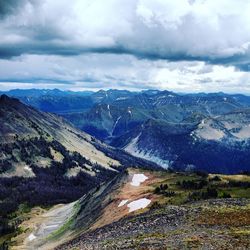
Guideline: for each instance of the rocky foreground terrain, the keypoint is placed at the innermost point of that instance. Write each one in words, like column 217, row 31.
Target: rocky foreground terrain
column 213, row 224
column 145, row 209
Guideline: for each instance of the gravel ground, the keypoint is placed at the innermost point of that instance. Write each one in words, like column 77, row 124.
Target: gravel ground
column 173, row 227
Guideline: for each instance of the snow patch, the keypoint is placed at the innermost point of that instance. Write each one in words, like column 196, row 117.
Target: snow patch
column 115, row 124
column 122, row 203
column 138, row 179
column 31, row 237
column 133, row 149
column 28, row 168
column 138, row 204
column 162, row 97
column 121, row 98
column 108, row 107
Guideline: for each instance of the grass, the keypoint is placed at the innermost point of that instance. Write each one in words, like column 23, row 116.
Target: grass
column 232, row 177
column 236, row 218
column 227, row 216
column 182, row 195
column 240, row 232
column 21, row 212
column 239, row 192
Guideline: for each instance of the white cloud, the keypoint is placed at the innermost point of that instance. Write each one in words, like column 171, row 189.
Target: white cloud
column 95, row 71
column 114, row 42
column 163, row 28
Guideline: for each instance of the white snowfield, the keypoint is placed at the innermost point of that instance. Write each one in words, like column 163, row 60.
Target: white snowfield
column 132, row 148
column 138, row 204
column 138, row 179
column 31, row 237
column 122, row 203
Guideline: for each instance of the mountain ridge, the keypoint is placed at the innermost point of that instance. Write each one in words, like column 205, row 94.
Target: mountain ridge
column 117, row 116
column 44, row 152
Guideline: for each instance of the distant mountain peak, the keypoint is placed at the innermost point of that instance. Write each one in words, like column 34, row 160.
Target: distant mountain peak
column 4, row 99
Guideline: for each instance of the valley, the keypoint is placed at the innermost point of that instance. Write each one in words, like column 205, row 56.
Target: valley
column 161, row 165
column 173, row 130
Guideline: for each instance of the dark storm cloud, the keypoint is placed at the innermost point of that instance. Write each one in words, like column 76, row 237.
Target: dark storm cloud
column 8, row 7
column 162, row 29
column 184, row 44
column 241, row 62
column 34, row 80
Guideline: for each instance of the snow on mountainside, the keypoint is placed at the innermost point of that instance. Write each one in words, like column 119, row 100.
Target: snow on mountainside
column 166, row 128
column 112, row 201
column 98, row 113
column 220, row 144
column 133, row 149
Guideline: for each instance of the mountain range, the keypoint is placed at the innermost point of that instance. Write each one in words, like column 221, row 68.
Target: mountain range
column 62, row 188
column 48, row 161
column 181, row 131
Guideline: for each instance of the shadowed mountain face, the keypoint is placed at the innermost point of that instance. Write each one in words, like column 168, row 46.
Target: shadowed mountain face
column 205, row 131
column 208, row 132
column 108, row 114
column 45, row 160
column 217, row 146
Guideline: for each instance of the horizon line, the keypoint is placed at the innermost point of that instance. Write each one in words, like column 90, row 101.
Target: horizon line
column 95, row 90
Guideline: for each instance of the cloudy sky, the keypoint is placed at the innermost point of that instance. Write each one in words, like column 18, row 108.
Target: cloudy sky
column 180, row 45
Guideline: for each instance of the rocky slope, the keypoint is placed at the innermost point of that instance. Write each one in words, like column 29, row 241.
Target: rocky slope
column 45, row 161
column 175, row 227
column 21, row 123
column 152, row 210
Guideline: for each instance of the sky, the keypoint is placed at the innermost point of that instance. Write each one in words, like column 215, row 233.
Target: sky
column 180, row 45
